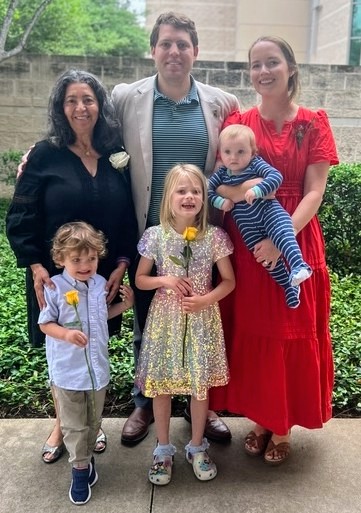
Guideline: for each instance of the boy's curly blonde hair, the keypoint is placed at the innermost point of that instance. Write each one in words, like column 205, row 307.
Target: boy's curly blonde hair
column 77, row 236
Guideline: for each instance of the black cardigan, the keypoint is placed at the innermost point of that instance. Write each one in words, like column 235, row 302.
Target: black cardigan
column 56, row 188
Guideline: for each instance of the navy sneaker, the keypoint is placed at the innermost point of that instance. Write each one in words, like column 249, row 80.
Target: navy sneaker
column 93, row 475
column 80, row 492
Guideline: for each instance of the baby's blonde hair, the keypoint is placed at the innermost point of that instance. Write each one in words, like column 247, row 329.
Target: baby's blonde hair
column 194, row 174
column 77, row 236
column 232, row 131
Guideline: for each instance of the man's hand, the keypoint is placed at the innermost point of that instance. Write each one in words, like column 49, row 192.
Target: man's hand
column 23, row 162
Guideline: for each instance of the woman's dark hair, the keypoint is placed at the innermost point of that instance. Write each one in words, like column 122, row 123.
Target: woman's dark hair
column 106, row 134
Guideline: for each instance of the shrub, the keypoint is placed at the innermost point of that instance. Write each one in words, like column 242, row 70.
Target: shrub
column 23, row 370
column 340, row 216
column 346, row 338
column 9, row 161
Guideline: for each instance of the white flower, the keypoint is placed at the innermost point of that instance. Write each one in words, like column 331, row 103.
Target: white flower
column 119, row 160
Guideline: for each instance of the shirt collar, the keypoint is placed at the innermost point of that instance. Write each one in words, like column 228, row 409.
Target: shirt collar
column 77, row 284
column 191, row 96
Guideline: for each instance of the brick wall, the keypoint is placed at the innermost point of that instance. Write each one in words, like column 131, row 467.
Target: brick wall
column 26, row 81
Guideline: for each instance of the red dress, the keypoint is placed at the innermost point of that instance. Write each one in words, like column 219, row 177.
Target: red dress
column 280, row 359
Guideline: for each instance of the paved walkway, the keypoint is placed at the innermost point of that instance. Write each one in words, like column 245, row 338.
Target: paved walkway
column 323, row 474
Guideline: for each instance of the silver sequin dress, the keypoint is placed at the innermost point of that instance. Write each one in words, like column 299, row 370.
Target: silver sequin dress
column 160, row 369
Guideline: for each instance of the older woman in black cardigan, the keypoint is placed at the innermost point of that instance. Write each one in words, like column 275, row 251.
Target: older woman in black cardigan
column 69, row 177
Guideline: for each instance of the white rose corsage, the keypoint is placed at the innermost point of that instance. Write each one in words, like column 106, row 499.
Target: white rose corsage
column 119, row 160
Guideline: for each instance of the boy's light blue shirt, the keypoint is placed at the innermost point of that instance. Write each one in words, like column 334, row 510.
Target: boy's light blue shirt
column 66, row 362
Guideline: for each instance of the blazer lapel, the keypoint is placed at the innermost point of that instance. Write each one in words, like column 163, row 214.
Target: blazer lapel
column 144, row 99
column 212, row 117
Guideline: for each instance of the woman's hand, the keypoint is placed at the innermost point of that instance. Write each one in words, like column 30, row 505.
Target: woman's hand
column 114, row 282
column 266, row 253
column 41, row 279
column 236, row 192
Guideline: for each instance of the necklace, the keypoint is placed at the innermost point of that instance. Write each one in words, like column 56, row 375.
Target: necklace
column 85, row 151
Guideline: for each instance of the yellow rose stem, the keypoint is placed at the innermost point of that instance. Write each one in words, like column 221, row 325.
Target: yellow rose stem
column 72, row 298
column 189, row 234
column 92, row 396
column 186, row 266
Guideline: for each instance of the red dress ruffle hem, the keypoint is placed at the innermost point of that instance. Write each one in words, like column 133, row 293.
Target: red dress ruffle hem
column 280, row 359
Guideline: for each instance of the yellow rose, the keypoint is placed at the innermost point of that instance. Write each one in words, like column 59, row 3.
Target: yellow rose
column 72, row 297
column 190, row 233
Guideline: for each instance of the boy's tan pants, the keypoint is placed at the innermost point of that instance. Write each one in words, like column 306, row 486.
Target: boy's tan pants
column 78, row 423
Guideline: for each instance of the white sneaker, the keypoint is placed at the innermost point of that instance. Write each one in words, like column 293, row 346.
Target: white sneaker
column 160, row 473
column 204, row 468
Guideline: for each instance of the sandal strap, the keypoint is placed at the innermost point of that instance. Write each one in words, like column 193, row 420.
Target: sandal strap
column 283, row 450
column 101, row 438
column 51, row 449
column 258, row 442
column 282, row 447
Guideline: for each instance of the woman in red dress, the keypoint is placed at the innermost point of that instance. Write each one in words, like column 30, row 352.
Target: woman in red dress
column 280, row 358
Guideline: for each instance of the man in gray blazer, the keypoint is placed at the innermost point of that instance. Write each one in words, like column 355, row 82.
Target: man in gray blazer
column 165, row 119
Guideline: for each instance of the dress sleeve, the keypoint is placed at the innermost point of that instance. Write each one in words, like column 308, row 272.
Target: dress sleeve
column 148, row 244
column 234, row 118
column 215, row 181
column 23, row 219
column 322, row 143
column 50, row 312
column 222, row 245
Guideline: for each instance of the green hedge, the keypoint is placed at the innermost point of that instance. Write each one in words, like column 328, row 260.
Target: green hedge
column 9, row 161
column 23, row 371
column 340, row 216
column 346, row 340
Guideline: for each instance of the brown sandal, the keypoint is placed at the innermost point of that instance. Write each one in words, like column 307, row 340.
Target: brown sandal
column 283, row 449
column 255, row 445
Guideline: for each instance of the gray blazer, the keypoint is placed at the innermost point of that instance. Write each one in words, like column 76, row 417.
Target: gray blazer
column 134, row 106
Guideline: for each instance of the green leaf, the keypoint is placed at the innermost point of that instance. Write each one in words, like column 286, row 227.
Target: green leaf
column 176, row 260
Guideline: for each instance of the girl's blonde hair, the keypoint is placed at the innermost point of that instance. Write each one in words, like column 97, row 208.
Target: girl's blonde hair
column 236, row 130
column 77, row 236
column 195, row 175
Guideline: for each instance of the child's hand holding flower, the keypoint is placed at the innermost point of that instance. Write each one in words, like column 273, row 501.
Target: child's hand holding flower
column 76, row 337
column 127, row 295
column 189, row 235
column 74, row 333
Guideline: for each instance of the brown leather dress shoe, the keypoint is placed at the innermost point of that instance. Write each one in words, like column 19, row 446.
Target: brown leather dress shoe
column 136, row 426
column 215, row 429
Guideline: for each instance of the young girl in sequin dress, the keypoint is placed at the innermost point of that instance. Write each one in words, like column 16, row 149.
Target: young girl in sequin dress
column 183, row 349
